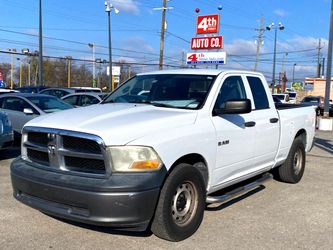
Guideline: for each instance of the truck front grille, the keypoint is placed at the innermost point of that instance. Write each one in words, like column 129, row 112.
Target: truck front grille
column 81, row 145
column 37, row 156
column 86, row 165
column 56, row 149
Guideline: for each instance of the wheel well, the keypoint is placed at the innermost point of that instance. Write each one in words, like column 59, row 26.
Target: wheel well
column 197, row 160
column 302, row 134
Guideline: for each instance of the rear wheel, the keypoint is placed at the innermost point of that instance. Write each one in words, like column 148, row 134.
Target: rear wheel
column 181, row 204
column 292, row 169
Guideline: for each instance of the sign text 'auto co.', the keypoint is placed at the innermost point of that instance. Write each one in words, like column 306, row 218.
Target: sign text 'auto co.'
column 213, row 42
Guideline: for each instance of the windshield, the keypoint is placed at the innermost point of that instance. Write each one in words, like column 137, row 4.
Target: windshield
column 292, row 95
column 280, row 97
column 49, row 104
column 169, row 90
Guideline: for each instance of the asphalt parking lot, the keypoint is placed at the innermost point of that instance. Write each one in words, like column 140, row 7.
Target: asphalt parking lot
column 277, row 216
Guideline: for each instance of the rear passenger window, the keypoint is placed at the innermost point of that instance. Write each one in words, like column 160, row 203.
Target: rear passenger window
column 258, row 92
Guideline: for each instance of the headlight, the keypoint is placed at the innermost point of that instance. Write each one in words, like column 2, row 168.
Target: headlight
column 134, row 159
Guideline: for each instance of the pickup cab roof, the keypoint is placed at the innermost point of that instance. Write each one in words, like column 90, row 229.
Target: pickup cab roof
column 212, row 72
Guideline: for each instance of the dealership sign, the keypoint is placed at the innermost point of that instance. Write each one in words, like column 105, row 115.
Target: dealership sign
column 206, row 58
column 208, row 24
column 213, row 42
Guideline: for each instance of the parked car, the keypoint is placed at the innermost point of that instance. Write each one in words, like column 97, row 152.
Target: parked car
column 83, row 99
column 22, row 107
column 87, row 89
column 317, row 101
column 57, row 92
column 6, row 131
column 284, row 98
column 61, row 92
column 292, row 97
column 31, row 89
column 6, row 91
column 136, row 161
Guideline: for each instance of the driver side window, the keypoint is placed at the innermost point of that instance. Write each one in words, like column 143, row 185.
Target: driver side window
column 232, row 89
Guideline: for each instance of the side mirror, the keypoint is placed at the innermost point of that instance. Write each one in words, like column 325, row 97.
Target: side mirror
column 241, row 106
column 28, row 111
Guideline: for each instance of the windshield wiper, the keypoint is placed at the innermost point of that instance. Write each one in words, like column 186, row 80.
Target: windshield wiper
column 158, row 104
column 104, row 101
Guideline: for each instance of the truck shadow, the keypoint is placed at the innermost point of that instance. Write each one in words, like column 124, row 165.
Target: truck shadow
column 213, row 207
column 106, row 230
column 324, row 145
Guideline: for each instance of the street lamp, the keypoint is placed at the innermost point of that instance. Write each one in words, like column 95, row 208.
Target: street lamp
column 108, row 8
column 13, row 51
column 99, row 61
column 93, row 46
column 270, row 27
column 294, row 72
column 19, row 59
column 27, row 52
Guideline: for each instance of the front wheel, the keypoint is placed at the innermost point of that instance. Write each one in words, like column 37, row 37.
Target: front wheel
column 181, row 205
column 292, row 169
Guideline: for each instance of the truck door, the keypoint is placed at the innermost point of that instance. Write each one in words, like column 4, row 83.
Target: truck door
column 234, row 134
column 267, row 125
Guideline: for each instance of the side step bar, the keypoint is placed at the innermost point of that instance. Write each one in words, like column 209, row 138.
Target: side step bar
column 240, row 190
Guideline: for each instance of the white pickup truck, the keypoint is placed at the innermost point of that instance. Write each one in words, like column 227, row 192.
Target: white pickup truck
column 158, row 149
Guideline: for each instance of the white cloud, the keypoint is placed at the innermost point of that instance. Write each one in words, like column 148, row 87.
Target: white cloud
column 280, row 12
column 242, row 47
column 128, row 6
column 138, row 44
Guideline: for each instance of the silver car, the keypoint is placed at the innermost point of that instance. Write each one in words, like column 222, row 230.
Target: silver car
column 84, row 99
column 6, row 131
column 22, row 107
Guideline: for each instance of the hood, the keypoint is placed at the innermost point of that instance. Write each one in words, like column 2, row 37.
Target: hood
column 117, row 123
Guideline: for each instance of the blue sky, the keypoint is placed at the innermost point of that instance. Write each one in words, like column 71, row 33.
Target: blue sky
column 68, row 26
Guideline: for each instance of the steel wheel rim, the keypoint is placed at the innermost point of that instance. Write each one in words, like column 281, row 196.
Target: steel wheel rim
column 184, row 203
column 298, row 161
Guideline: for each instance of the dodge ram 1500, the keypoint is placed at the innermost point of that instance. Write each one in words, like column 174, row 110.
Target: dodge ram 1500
column 158, row 149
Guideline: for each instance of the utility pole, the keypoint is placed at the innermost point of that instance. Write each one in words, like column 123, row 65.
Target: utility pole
column 318, row 58
column 93, row 47
column 283, row 61
column 40, row 54
column 183, row 59
column 259, row 41
column 323, row 67
column 329, row 66
column 164, row 8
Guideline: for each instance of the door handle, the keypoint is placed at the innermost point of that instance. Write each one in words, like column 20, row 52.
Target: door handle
column 273, row 120
column 249, row 124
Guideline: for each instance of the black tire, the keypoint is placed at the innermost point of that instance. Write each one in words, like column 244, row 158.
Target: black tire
column 181, row 204
column 292, row 169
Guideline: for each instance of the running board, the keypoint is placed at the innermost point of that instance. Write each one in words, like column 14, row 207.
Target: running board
column 239, row 191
